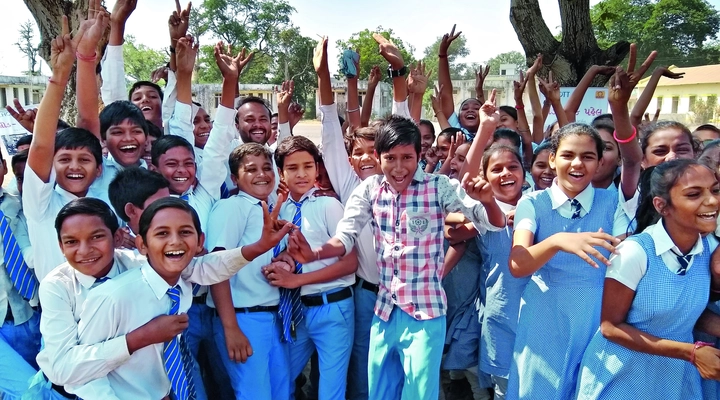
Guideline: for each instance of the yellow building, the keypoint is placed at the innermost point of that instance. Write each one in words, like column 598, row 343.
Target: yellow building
column 676, row 98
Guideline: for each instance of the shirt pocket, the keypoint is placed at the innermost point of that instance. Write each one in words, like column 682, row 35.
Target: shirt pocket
column 418, row 222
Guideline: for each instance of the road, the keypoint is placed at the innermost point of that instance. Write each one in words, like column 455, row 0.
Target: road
column 310, row 129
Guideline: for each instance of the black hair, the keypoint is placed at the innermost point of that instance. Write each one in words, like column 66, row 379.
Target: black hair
column 397, row 131
column 293, row 144
column 274, row 115
column 602, row 117
column 134, row 185
column 117, row 112
column 254, row 99
column 87, row 206
column 368, row 133
column 650, row 130
column 340, row 119
column 197, row 104
column 605, row 124
column 428, row 124
column 24, row 141
column 449, row 132
column 656, row 182
column 165, row 143
column 138, row 84
column 509, row 134
column 244, row 150
column 708, row 159
column 62, row 124
column 154, row 130
column 542, row 147
column 167, row 202
column 511, row 111
column 18, row 158
column 500, row 148
column 708, row 127
column 577, row 129
column 76, row 138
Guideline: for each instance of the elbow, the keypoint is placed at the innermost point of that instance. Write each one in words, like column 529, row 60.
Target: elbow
column 514, row 268
column 608, row 330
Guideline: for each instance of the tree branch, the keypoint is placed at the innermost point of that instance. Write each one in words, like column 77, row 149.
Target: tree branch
column 532, row 32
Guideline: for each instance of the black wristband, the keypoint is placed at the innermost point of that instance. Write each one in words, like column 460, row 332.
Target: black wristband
column 172, row 49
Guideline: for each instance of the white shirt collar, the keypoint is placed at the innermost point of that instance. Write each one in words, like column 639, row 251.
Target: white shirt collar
column 110, row 162
column 505, row 207
column 158, row 285
column 558, row 197
column 87, row 281
column 663, row 242
column 309, row 195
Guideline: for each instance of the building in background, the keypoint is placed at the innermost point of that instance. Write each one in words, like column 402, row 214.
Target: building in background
column 208, row 94
column 27, row 89
column 382, row 100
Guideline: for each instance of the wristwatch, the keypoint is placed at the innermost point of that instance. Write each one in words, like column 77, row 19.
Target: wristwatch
column 394, row 73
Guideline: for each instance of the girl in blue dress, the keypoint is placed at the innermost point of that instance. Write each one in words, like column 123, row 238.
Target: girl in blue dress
column 503, row 169
column 655, row 290
column 563, row 237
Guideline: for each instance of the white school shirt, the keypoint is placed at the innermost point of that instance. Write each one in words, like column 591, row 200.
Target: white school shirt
column 9, row 296
column 41, row 203
column 235, row 222
column 344, row 180
column 110, row 169
column 629, row 263
column 130, row 301
column 62, row 293
column 525, row 218
column 320, row 218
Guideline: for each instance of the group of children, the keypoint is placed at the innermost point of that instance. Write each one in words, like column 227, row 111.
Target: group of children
column 216, row 258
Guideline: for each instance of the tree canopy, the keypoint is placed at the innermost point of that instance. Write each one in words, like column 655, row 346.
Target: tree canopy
column 367, row 47
column 140, row 60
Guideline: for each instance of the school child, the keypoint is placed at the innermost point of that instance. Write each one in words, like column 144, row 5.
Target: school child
column 323, row 318
column 556, row 229
column 458, row 161
column 540, row 171
column 437, row 156
column 19, row 331
column 427, row 138
column 607, row 176
column 665, row 141
column 245, row 307
column 502, row 167
column 408, row 232
column 655, row 290
column 170, row 237
column 132, row 190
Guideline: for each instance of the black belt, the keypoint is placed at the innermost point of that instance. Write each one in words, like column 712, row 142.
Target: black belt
column 368, row 286
column 318, row 300
column 200, row 299
column 61, row 390
column 255, row 309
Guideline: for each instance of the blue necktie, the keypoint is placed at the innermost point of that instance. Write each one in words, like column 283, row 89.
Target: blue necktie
column 576, row 208
column 21, row 277
column 176, row 360
column 224, row 192
column 100, row 281
column 185, row 197
column 684, row 262
column 290, row 309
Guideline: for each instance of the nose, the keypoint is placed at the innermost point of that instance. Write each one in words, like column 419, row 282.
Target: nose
column 576, row 162
column 671, row 156
column 84, row 247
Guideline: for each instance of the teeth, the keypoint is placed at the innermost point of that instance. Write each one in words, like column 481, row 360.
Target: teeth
column 507, row 183
column 174, row 253
column 146, row 108
column 708, row 215
column 92, row 260
column 204, row 134
column 180, row 179
column 75, row 176
column 261, row 183
column 128, row 147
column 367, row 167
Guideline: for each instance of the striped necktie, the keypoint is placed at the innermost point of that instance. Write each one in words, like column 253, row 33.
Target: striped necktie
column 290, row 309
column 185, row 197
column 684, row 262
column 176, row 358
column 224, row 192
column 99, row 281
column 20, row 274
column 576, row 208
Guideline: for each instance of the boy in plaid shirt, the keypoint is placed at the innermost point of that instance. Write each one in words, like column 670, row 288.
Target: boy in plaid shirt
column 407, row 209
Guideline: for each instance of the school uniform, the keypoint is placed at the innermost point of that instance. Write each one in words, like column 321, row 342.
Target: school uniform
column 671, row 292
column 560, row 306
column 344, row 180
column 237, row 222
column 110, row 169
column 502, row 304
column 130, row 301
column 409, row 322
column 328, row 310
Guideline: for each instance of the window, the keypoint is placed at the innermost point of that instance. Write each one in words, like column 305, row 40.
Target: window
column 712, row 101
column 26, row 95
column 16, row 92
column 36, row 96
column 693, row 99
column 360, row 99
column 659, row 104
column 3, row 98
column 675, row 102
column 218, row 96
column 503, row 72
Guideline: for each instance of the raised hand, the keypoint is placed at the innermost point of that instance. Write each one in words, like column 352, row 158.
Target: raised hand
column 26, row 118
column 230, row 67
column 122, row 11
column 179, row 21
column 185, row 54
column 62, row 53
column 389, row 51
column 446, row 41
column 93, row 29
column 285, row 94
column 320, row 57
column 375, row 76
column 160, row 73
column 519, row 88
column 432, row 156
column 274, row 229
column 455, row 141
column 584, row 245
column 489, row 111
column 669, row 74
column 550, row 88
column 635, row 76
column 537, row 64
column 478, row 188
column 295, row 113
column 418, row 78
column 480, row 76
column 436, row 100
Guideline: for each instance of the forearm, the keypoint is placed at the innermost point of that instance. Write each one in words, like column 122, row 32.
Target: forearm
column 333, row 248
column 346, row 265
column 446, row 88
column 545, row 110
column 222, row 298
column 353, row 103
column 644, row 100
column 630, row 152
column 442, row 120
column 416, row 106
column 366, row 112
column 573, row 103
column 42, row 147
column 538, row 128
column 634, row 339
column 524, row 261
column 495, row 215
column 559, row 113
column 474, row 154
column 325, row 89
column 117, row 32
column 461, row 233
column 400, row 92
column 87, row 97
column 524, row 131
column 453, row 255
column 445, row 167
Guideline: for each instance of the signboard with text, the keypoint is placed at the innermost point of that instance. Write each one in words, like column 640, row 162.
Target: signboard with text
column 594, row 103
column 10, row 130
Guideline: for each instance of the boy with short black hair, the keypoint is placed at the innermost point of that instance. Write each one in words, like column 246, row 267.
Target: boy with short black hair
column 18, row 162
column 132, row 190
column 170, row 236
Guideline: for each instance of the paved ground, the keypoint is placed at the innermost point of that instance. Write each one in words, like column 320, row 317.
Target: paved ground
column 309, row 129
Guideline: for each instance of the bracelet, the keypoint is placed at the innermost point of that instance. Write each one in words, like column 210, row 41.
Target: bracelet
column 519, row 106
column 442, row 55
column 51, row 80
column 172, row 49
column 86, row 58
column 355, row 110
column 698, row 345
column 628, row 140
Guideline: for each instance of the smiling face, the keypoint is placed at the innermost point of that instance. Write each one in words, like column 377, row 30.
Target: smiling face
column 254, row 123
column 202, row 125
column 665, row 145
column 87, row 244
column 273, row 129
column 75, row 169
column 458, row 160
column 506, row 176
column 506, row 121
column 177, row 165
column 255, row 176
column 363, row 158
column 126, row 142
column 611, row 160
column 134, row 212
column 443, row 146
column 694, row 202
column 541, row 172
column 148, row 100
column 469, row 117
column 575, row 163
column 299, row 172
column 398, row 165
column 426, row 139
column 171, row 242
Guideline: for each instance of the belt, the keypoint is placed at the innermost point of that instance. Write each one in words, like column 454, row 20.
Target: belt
column 61, row 390
column 367, row 285
column 255, row 309
column 326, row 298
column 200, row 299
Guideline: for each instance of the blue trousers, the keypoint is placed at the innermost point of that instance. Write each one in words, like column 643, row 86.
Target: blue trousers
column 19, row 345
column 405, row 356
column 264, row 376
column 357, row 381
column 329, row 328
column 199, row 335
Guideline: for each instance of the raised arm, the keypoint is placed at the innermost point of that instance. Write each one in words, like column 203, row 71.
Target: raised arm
column 284, row 100
column 523, row 127
column 480, row 76
column 551, row 90
column 373, row 81
column 113, row 65
column 573, row 103
column 444, row 72
column 538, row 125
column 393, row 56
column 180, row 123
column 416, row 84
column 353, row 102
column 489, row 119
column 437, row 105
column 86, row 84
column 647, row 94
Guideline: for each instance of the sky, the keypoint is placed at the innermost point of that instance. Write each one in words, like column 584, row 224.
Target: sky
column 485, row 24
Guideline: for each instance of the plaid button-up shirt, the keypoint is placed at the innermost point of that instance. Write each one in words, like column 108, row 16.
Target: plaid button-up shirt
column 408, row 229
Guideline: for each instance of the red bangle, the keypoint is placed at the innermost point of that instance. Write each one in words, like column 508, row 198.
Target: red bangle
column 628, row 140
column 698, row 345
column 86, row 58
column 519, row 107
column 51, row 80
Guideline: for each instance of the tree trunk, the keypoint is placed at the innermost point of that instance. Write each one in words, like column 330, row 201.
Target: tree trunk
column 48, row 16
column 570, row 58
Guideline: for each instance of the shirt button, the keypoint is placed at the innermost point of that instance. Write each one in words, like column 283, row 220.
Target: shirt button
column 394, row 297
column 397, row 248
column 395, row 272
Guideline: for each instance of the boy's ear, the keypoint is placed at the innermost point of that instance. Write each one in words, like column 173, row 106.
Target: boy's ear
column 99, row 170
column 201, row 243
column 551, row 160
column 280, row 174
column 129, row 210
column 140, row 245
column 118, row 238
